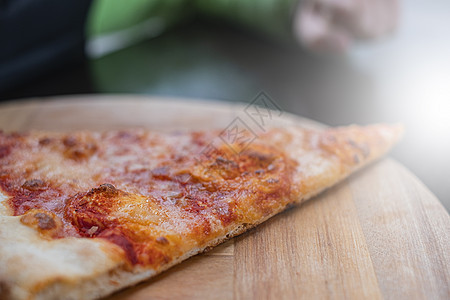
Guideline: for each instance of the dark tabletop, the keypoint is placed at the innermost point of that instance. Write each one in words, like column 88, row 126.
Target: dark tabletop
column 402, row 79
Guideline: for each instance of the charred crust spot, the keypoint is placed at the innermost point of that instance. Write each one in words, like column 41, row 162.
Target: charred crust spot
column 82, row 152
column 105, row 189
column 107, row 186
column 225, row 163
column 259, row 172
column 221, row 159
column 33, row 185
column 162, row 240
column 45, row 141
column 261, row 157
column 45, row 222
column 69, row 141
column 77, row 153
column 78, row 150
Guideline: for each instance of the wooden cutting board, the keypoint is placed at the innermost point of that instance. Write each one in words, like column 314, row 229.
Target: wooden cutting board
column 379, row 234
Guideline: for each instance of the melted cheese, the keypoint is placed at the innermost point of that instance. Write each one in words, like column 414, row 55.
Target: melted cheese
column 158, row 196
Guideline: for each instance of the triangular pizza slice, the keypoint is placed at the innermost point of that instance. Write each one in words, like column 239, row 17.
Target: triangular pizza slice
column 84, row 214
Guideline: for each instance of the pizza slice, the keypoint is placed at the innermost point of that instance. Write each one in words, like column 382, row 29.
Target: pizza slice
column 84, row 214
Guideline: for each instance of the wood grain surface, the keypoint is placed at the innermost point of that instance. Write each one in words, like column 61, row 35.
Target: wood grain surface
column 379, row 234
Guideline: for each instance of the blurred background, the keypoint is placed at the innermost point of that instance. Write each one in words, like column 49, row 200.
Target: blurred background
column 404, row 77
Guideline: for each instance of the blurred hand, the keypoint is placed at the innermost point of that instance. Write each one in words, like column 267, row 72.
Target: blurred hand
column 333, row 25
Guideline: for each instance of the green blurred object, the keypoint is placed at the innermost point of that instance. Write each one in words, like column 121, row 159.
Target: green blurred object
column 271, row 17
column 107, row 16
column 179, row 63
column 114, row 25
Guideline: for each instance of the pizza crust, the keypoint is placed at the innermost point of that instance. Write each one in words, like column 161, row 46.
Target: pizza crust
column 4, row 210
column 32, row 267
